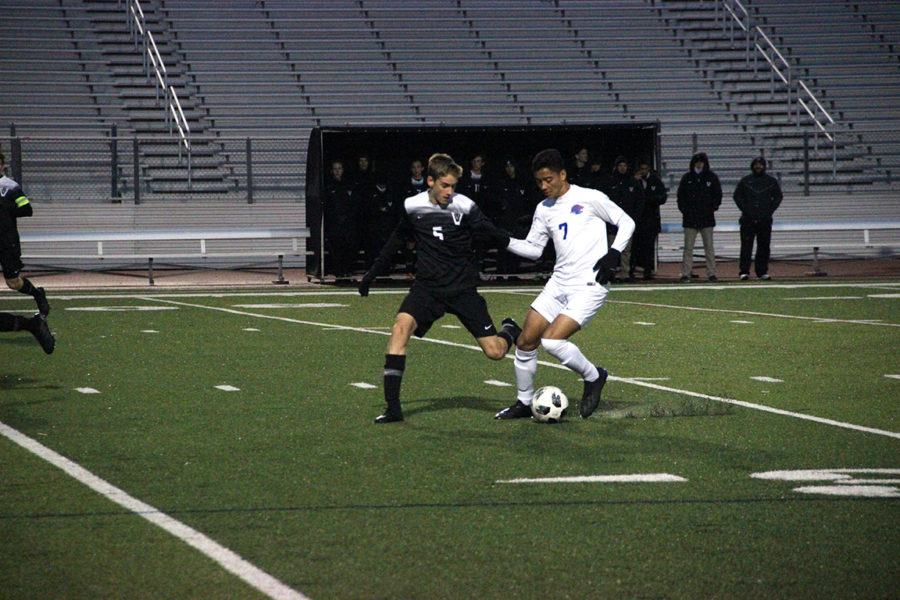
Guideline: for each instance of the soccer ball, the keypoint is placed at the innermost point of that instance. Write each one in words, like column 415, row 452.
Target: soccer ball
column 549, row 404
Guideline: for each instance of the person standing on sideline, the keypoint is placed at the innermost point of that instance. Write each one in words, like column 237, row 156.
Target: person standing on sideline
column 649, row 223
column 14, row 204
column 758, row 196
column 575, row 219
column 699, row 197
column 626, row 191
column 443, row 224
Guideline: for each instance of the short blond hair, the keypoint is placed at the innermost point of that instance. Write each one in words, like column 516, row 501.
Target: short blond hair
column 440, row 165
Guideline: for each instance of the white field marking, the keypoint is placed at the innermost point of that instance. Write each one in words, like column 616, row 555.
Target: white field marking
column 301, row 305
column 228, row 388
column 118, row 308
column 648, row 378
column 643, row 323
column 87, row 390
column 635, row 478
column 227, row 559
column 363, row 385
column 892, row 376
column 843, row 482
column 828, row 298
column 149, row 331
column 820, row 474
column 250, row 329
column 756, row 314
column 497, row 382
column 767, row 379
column 890, row 296
column 867, row 491
column 742, row 322
column 529, row 291
column 451, row 326
column 647, row 384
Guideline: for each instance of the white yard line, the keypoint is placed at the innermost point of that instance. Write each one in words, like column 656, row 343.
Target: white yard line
column 757, row 314
column 227, row 559
column 751, row 405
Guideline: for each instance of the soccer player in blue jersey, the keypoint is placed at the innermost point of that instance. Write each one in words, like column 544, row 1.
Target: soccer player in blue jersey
column 575, row 219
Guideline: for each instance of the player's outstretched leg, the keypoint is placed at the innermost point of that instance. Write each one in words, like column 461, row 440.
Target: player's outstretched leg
column 38, row 327
column 590, row 399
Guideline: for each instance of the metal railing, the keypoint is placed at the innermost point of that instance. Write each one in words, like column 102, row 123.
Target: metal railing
column 155, row 68
column 755, row 37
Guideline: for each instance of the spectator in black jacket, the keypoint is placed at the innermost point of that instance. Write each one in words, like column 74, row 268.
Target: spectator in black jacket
column 699, row 197
column 342, row 217
column 649, row 223
column 758, row 196
column 626, row 191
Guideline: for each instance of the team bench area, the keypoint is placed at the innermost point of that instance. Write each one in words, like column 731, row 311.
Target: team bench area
column 191, row 247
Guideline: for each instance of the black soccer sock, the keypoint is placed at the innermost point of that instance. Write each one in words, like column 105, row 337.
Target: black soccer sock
column 506, row 335
column 27, row 287
column 9, row 322
column 394, row 365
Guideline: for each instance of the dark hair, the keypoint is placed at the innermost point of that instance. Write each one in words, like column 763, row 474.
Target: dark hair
column 2, row 158
column 548, row 159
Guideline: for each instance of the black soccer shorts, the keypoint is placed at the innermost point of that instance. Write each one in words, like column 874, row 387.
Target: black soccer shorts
column 11, row 263
column 470, row 308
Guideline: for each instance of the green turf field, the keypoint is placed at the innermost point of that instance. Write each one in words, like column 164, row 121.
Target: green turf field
column 220, row 445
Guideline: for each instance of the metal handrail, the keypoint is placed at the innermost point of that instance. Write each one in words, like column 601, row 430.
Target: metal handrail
column 174, row 114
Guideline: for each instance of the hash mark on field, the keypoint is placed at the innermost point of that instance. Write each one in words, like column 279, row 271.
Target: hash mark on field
column 643, row 323
column 149, row 331
column 250, row 329
column 739, row 322
column 497, row 382
column 87, row 390
column 228, row 388
column 892, row 376
column 363, row 385
column 634, row 478
column 767, row 379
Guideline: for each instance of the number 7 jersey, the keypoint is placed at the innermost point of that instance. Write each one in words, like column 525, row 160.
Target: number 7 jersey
column 576, row 222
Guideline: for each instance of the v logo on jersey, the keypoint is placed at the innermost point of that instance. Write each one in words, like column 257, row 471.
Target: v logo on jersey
column 457, row 217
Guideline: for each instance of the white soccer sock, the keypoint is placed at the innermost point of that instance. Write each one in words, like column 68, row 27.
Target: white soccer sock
column 526, row 367
column 570, row 356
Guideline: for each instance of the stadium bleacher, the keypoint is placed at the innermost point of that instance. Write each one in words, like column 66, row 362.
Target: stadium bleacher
column 275, row 69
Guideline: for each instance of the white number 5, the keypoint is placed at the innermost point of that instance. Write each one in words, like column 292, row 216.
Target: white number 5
column 438, row 232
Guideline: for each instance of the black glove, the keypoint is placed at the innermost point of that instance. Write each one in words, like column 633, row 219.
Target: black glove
column 364, row 284
column 607, row 266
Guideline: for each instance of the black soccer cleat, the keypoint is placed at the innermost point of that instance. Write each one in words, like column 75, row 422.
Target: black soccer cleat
column 590, row 399
column 519, row 410
column 390, row 416
column 38, row 327
column 40, row 296
column 512, row 328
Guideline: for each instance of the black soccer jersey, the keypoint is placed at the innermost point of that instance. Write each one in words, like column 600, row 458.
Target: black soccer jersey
column 445, row 259
column 13, row 204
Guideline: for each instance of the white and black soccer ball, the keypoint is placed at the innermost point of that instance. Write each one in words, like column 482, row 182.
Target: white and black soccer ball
column 549, row 404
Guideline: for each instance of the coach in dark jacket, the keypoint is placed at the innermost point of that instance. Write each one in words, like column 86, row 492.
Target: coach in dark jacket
column 758, row 196
column 699, row 197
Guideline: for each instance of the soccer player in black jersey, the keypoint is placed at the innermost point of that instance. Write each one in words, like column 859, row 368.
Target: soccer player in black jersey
column 442, row 224
column 13, row 205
